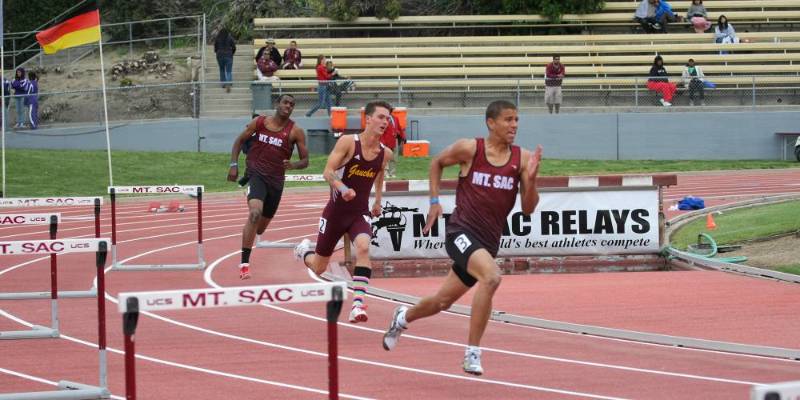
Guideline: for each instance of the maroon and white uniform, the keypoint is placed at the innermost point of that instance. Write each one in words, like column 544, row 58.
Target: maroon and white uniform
column 352, row 217
column 484, row 197
column 268, row 150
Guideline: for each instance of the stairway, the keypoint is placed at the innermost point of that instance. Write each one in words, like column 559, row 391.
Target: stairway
column 238, row 103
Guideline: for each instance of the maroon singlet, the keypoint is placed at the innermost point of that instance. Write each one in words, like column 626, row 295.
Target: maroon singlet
column 268, row 150
column 485, row 197
column 358, row 174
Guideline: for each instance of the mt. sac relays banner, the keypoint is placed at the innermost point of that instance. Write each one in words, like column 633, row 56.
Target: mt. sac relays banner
column 564, row 223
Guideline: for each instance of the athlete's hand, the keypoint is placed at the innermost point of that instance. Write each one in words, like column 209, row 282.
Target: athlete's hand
column 287, row 164
column 433, row 217
column 233, row 173
column 349, row 194
column 376, row 209
column 534, row 161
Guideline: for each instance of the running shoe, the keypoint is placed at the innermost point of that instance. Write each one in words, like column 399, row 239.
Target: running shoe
column 472, row 362
column 244, row 271
column 392, row 335
column 301, row 249
column 358, row 314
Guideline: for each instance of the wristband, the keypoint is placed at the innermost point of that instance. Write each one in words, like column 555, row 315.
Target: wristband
column 342, row 188
column 434, row 200
column 234, row 164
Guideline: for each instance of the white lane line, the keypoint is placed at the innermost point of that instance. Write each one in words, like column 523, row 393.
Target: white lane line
column 190, row 367
column 39, row 379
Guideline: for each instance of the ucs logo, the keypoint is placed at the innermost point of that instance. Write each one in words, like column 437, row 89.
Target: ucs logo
column 394, row 221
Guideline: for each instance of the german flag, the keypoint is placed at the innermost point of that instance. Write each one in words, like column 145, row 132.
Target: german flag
column 80, row 27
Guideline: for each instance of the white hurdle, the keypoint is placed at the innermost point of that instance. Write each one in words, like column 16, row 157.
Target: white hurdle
column 194, row 191
column 32, row 202
column 777, row 391
column 67, row 389
column 266, row 244
column 130, row 304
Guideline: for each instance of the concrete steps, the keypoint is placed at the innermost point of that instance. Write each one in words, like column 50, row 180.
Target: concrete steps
column 217, row 102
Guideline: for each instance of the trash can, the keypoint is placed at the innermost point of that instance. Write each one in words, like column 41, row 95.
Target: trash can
column 262, row 96
column 319, row 141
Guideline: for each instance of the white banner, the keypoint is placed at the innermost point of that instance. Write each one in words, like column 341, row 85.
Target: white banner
column 304, row 178
column 234, row 296
column 163, row 189
column 25, row 247
column 10, row 202
column 564, row 223
column 28, row 219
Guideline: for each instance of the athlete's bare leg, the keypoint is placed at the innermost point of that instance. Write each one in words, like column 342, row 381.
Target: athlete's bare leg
column 482, row 266
column 253, row 218
column 262, row 225
column 316, row 263
column 451, row 290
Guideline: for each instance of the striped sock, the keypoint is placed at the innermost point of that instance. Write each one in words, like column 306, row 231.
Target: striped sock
column 361, row 277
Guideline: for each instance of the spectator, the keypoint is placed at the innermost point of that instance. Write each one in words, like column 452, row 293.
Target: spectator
column 654, row 15
column 554, row 74
column 32, row 99
column 322, row 87
column 7, row 100
column 19, row 83
column 659, row 82
column 393, row 137
column 225, row 48
column 724, row 32
column 266, row 67
column 698, row 16
column 693, row 79
column 273, row 52
column 292, row 58
column 337, row 89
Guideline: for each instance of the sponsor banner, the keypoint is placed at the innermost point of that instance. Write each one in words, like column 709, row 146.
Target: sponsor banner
column 230, row 297
column 24, row 247
column 564, row 223
column 10, row 202
column 28, row 219
column 304, row 178
column 165, row 189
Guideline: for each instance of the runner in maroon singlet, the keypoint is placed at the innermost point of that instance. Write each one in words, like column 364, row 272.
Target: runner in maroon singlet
column 271, row 141
column 354, row 166
column 493, row 171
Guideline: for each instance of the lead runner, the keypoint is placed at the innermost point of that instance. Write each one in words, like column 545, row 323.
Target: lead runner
column 493, row 171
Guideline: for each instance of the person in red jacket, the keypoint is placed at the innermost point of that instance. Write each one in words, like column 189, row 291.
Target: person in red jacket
column 322, row 87
column 393, row 137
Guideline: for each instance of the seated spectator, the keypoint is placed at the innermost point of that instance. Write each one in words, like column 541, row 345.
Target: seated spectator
column 693, row 79
column 659, row 82
column 266, row 67
column 654, row 15
column 292, row 58
column 698, row 16
column 271, row 51
column 724, row 32
column 337, row 89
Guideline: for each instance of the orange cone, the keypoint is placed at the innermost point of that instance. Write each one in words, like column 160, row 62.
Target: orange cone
column 710, row 224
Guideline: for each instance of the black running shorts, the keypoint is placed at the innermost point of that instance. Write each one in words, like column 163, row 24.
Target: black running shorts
column 460, row 245
column 269, row 194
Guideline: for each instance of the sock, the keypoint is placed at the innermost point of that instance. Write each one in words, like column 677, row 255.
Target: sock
column 473, row 349
column 401, row 319
column 246, row 255
column 361, row 277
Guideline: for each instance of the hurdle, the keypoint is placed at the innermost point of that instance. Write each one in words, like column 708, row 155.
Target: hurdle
column 131, row 304
column 266, row 244
column 777, row 391
column 25, row 202
column 67, row 389
column 194, row 191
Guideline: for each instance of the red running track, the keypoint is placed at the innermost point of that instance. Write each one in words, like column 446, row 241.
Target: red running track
column 279, row 353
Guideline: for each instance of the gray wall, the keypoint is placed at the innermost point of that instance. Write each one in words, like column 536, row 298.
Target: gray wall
column 602, row 136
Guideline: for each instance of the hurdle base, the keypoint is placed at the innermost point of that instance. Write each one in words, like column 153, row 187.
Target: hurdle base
column 159, row 267
column 67, row 391
column 36, row 332
column 266, row 244
column 72, row 294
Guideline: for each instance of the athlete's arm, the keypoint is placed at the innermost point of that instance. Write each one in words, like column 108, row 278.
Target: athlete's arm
column 341, row 153
column 299, row 136
column 461, row 152
column 376, row 207
column 530, row 171
column 248, row 131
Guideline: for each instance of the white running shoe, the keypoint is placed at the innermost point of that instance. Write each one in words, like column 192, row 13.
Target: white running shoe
column 358, row 314
column 301, row 249
column 392, row 335
column 472, row 362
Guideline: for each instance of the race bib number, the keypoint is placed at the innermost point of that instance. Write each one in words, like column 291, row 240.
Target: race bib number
column 323, row 223
column 462, row 243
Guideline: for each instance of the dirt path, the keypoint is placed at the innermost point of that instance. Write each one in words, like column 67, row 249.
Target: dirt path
column 770, row 253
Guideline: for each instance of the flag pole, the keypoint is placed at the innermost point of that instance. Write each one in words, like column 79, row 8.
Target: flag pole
column 105, row 108
column 4, row 114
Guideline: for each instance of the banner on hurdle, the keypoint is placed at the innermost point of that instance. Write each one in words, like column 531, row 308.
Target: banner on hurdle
column 777, row 391
column 68, row 390
column 28, row 219
column 14, row 202
column 304, row 178
column 192, row 190
column 130, row 304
